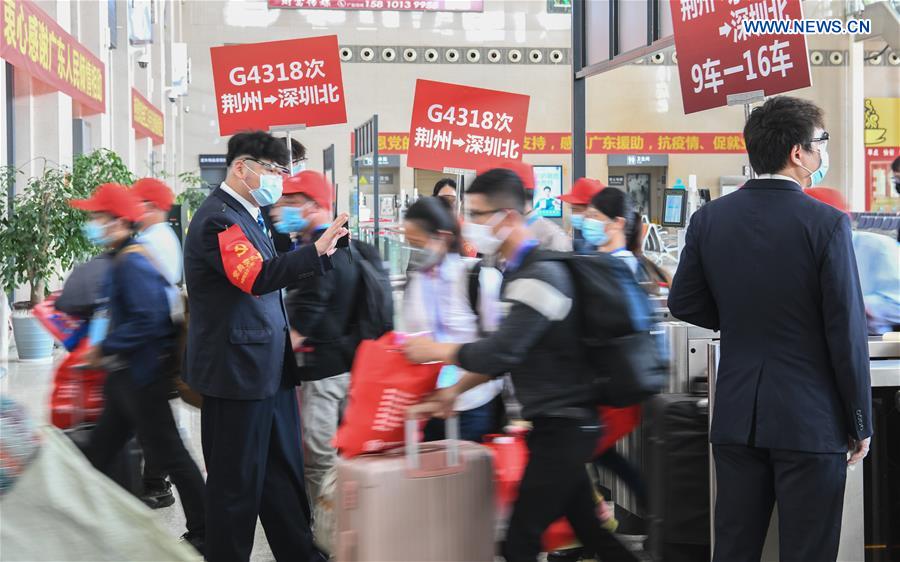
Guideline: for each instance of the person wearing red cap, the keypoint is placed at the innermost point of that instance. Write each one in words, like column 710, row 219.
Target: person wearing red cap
column 140, row 335
column 578, row 200
column 320, row 310
column 156, row 234
column 878, row 263
column 549, row 235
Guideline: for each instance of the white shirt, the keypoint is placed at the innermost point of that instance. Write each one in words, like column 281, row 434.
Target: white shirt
column 437, row 301
column 163, row 246
column 777, row 177
column 252, row 209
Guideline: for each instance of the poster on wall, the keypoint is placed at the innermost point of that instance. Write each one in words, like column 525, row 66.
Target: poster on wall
column 547, row 190
column 638, row 186
column 386, row 208
column 292, row 82
column 140, row 22
column 882, row 139
column 720, row 54
column 465, row 128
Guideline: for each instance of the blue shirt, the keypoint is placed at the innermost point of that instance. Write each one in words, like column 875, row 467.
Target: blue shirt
column 878, row 262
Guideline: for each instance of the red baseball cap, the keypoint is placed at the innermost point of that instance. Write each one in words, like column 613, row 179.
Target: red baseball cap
column 583, row 191
column 524, row 170
column 114, row 199
column 311, row 184
column 154, row 191
column 829, row 196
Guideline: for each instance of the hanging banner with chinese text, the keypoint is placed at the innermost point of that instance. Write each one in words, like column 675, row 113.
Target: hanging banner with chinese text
column 378, row 5
column 34, row 43
column 603, row 143
column 293, row 82
column 717, row 57
column 463, row 127
column 146, row 119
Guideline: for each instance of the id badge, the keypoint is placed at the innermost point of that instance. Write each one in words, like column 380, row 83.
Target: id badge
column 97, row 330
column 448, row 376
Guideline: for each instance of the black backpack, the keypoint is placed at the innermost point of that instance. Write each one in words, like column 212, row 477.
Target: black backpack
column 625, row 352
column 372, row 314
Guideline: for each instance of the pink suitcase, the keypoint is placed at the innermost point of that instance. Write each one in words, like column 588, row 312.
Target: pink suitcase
column 422, row 503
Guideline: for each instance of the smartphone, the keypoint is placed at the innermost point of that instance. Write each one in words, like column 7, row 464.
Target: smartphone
column 344, row 241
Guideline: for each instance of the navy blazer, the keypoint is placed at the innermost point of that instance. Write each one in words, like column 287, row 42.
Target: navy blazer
column 140, row 331
column 238, row 341
column 773, row 269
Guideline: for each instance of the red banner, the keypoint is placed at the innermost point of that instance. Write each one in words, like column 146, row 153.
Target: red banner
column 241, row 260
column 378, row 5
column 146, row 120
column 604, row 143
column 293, row 82
column 717, row 57
column 457, row 126
column 33, row 42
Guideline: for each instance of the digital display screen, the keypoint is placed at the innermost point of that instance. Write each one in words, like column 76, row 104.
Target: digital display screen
column 673, row 214
column 547, row 191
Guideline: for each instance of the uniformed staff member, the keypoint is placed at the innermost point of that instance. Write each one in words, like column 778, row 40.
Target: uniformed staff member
column 239, row 357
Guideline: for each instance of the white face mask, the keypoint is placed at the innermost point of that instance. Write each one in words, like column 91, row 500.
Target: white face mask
column 483, row 238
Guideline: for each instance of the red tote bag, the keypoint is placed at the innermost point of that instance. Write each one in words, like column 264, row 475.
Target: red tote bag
column 77, row 393
column 383, row 384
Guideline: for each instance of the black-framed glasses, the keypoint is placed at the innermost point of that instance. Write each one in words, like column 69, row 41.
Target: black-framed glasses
column 272, row 168
column 823, row 138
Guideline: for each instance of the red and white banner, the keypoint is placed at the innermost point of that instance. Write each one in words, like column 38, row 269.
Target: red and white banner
column 464, row 127
column 33, row 42
column 293, row 82
column 146, row 119
column 716, row 57
column 378, row 5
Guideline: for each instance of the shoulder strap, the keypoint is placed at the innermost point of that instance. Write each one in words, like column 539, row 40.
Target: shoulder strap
column 474, row 289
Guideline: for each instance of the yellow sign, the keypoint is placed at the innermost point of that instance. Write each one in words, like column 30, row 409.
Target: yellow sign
column 882, row 121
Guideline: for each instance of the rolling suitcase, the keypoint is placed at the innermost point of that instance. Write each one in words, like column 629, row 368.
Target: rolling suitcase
column 422, row 503
column 676, row 448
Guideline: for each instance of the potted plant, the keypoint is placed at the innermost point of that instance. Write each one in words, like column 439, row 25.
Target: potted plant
column 41, row 236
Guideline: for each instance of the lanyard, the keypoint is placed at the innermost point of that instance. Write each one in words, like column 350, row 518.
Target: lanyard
column 431, row 295
column 518, row 257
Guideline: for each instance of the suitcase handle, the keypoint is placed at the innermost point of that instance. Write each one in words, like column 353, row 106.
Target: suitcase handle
column 411, row 450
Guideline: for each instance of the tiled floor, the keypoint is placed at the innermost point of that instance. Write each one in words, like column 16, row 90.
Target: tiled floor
column 29, row 384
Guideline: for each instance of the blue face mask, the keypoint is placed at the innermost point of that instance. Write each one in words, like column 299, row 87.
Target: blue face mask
column 594, row 231
column 577, row 221
column 95, row 232
column 269, row 191
column 292, row 220
column 298, row 167
column 819, row 175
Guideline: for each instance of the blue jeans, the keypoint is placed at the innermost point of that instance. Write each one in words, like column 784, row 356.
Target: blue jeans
column 474, row 424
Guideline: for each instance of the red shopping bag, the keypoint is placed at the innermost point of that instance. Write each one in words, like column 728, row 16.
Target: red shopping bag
column 77, row 393
column 383, row 384
column 617, row 423
column 510, row 458
column 67, row 329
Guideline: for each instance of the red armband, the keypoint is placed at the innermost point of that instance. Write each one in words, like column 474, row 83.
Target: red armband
column 241, row 260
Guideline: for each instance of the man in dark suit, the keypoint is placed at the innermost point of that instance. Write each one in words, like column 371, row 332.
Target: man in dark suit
column 239, row 357
column 774, row 271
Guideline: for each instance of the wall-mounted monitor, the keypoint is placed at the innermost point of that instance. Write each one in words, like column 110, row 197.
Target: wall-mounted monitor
column 674, row 207
column 547, row 191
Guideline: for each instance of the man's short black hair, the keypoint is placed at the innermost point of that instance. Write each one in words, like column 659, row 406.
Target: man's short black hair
column 441, row 184
column 895, row 165
column 776, row 127
column 547, row 188
column 502, row 187
column 298, row 151
column 257, row 144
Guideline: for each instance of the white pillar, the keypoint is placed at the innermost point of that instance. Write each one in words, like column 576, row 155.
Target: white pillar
column 93, row 26
column 855, row 177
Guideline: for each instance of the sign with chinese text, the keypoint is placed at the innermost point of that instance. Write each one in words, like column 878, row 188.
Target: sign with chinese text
column 603, row 143
column 146, row 120
column 378, row 5
column 293, row 82
column 717, row 57
column 457, row 126
column 882, row 139
column 36, row 44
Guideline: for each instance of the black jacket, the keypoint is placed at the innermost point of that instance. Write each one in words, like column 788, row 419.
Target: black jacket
column 774, row 270
column 319, row 308
column 537, row 342
column 238, row 345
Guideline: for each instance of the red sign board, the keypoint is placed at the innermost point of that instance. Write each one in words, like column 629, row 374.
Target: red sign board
column 293, row 82
column 146, row 119
column 33, row 42
column 716, row 57
column 377, row 5
column 603, row 143
column 463, row 127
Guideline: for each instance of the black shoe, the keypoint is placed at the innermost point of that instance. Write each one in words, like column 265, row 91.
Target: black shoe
column 197, row 541
column 567, row 555
column 158, row 499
